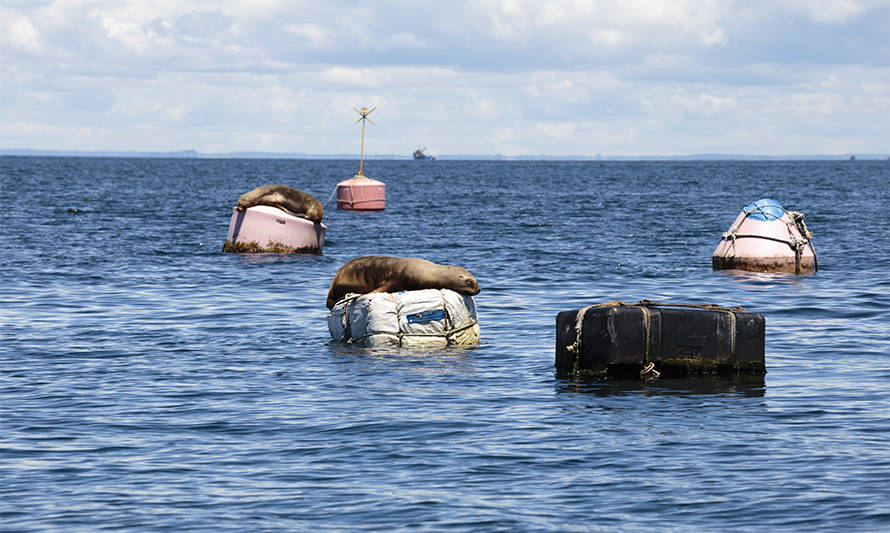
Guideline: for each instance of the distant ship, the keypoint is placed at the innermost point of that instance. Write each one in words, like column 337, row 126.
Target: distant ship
column 418, row 154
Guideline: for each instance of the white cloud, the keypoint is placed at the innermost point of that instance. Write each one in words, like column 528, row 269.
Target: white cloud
column 473, row 76
column 128, row 33
column 404, row 39
column 313, row 35
column 19, row 31
column 555, row 130
column 605, row 37
column 835, row 11
column 714, row 36
column 702, row 104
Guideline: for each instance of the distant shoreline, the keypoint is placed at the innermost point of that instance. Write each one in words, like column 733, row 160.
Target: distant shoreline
column 192, row 154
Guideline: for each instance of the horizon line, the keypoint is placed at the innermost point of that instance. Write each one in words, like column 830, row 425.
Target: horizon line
column 256, row 154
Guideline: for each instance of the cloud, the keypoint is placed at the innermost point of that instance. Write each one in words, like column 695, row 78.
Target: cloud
column 702, row 104
column 20, row 33
column 834, row 11
column 313, row 35
column 567, row 77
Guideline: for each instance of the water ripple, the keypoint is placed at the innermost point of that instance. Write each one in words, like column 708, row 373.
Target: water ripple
column 151, row 383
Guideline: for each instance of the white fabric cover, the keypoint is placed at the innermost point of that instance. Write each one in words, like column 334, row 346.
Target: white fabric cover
column 426, row 318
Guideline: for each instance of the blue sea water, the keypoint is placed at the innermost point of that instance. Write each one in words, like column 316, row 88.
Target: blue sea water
column 150, row 382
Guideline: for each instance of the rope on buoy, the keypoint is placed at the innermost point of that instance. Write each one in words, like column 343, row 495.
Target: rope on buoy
column 797, row 217
column 325, row 206
column 647, row 326
column 733, row 232
column 732, row 334
column 709, row 307
column 648, row 371
column 575, row 347
column 795, row 243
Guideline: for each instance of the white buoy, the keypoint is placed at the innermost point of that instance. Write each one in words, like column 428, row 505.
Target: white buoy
column 267, row 229
column 427, row 318
column 765, row 237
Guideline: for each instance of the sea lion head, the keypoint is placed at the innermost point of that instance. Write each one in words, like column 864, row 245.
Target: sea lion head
column 314, row 211
column 250, row 198
column 463, row 282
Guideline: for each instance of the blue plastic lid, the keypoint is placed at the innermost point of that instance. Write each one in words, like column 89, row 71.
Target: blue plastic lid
column 765, row 209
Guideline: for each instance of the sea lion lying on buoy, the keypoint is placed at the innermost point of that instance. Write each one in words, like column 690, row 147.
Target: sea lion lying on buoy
column 288, row 199
column 377, row 273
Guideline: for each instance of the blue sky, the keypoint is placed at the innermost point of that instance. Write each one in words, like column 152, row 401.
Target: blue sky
column 507, row 77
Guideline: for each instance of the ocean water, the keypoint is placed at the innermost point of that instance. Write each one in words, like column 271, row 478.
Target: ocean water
column 150, row 382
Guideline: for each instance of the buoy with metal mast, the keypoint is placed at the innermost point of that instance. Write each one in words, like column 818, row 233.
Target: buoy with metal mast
column 361, row 192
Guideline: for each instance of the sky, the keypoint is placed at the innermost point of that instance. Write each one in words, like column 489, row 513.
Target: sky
column 475, row 77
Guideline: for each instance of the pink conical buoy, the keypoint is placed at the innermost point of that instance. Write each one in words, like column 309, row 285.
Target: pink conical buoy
column 361, row 192
column 766, row 237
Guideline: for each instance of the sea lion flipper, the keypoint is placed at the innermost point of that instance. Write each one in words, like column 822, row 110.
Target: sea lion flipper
column 388, row 285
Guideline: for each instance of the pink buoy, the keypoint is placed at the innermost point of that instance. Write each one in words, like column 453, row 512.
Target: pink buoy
column 767, row 238
column 264, row 228
column 360, row 192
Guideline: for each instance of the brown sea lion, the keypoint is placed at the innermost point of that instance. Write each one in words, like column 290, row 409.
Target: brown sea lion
column 288, row 199
column 377, row 273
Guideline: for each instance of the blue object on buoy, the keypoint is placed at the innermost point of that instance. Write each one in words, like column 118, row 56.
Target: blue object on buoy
column 765, row 209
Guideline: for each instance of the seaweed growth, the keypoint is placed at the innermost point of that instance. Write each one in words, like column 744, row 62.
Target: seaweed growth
column 254, row 247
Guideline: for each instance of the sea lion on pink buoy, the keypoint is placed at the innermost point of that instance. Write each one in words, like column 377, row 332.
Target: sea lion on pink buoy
column 288, row 199
column 378, row 273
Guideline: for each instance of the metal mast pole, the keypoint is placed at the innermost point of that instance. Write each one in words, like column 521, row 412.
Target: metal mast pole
column 361, row 158
column 364, row 117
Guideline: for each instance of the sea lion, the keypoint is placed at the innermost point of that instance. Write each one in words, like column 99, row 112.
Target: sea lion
column 288, row 199
column 377, row 273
